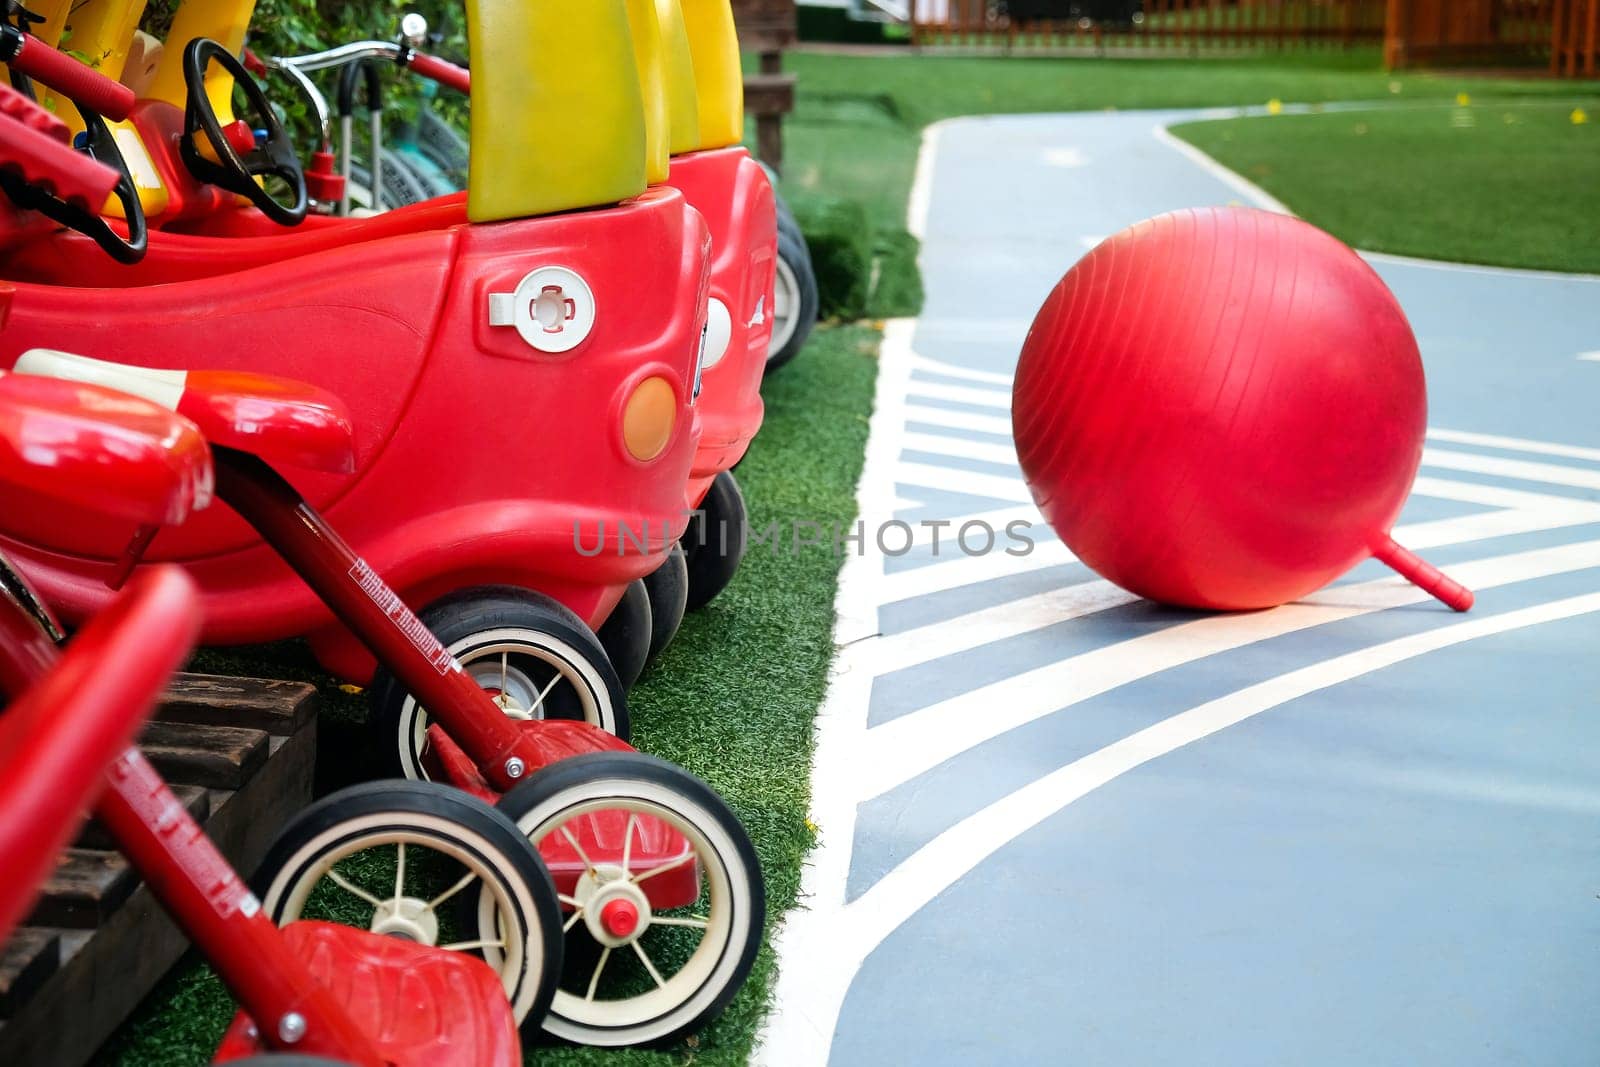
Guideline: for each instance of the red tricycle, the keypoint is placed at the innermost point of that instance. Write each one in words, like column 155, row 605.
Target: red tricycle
column 313, row 987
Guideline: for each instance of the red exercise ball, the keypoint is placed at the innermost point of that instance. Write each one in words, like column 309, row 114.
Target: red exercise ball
column 1224, row 408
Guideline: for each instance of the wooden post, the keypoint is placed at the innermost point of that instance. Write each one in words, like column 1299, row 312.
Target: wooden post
column 1397, row 35
column 1592, row 38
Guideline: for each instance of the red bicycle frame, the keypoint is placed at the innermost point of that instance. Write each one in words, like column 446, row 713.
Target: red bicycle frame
column 145, row 637
column 501, row 751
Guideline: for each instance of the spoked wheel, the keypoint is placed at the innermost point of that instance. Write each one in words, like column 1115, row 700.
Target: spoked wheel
column 533, row 655
column 795, row 300
column 625, row 634
column 668, row 587
column 429, row 864
column 668, row 893
column 714, row 542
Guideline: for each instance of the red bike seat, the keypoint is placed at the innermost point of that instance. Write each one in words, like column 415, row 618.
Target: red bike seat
column 278, row 419
column 102, row 450
column 418, row 1005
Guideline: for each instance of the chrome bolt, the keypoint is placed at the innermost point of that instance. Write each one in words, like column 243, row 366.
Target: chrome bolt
column 515, row 768
column 291, row 1028
column 414, row 29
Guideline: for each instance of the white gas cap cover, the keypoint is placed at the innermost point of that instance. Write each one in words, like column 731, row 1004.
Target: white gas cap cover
column 719, row 331
column 552, row 309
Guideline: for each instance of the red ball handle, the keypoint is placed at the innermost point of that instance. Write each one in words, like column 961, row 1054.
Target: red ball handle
column 1424, row 575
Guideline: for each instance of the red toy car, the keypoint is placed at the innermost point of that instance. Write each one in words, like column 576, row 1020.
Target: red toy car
column 523, row 400
column 728, row 188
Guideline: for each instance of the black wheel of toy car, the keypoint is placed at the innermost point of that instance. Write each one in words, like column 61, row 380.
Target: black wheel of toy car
column 669, row 599
column 674, row 968
column 534, row 656
column 389, row 856
column 795, row 301
column 626, row 633
column 714, row 542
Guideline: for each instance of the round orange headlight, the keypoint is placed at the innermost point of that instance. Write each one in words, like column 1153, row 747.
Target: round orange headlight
column 648, row 418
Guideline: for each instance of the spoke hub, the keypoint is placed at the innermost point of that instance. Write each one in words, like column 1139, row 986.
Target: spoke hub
column 615, row 910
column 408, row 918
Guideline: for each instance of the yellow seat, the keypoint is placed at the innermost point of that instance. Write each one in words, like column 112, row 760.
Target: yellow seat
column 719, row 81
column 683, row 99
column 558, row 116
column 647, row 53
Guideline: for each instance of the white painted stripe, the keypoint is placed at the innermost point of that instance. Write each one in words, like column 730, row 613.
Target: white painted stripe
column 1232, row 179
column 1514, row 444
column 921, row 199
column 959, row 420
column 950, row 370
column 924, row 644
column 952, row 480
column 913, row 744
column 1020, row 616
column 946, row 859
column 827, row 940
column 1525, row 470
column 958, row 571
column 1494, row 496
column 963, row 394
column 959, row 447
column 1488, row 524
column 1478, row 268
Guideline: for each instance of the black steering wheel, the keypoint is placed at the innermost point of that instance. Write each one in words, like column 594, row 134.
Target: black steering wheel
column 273, row 157
column 99, row 144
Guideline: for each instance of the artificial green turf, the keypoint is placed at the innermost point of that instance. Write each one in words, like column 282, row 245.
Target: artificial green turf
column 732, row 699
column 1512, row 183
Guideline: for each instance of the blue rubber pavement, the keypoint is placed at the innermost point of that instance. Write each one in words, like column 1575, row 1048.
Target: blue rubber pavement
column 1061, row 824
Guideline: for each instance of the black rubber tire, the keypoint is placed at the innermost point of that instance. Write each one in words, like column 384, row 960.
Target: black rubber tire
column 401, row 185
column 464, row 622
column 656, row 785
column 714, row 542
column 795, row 274
column 466, row 825
column 789, row 225
column 626, row 633
column 668, row 587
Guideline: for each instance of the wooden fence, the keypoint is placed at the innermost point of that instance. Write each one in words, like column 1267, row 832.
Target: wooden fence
column 1575, row 42
column 1469, row 32
column 1188, row 25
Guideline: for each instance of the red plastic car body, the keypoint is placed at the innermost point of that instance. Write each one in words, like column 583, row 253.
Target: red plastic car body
column 480, row 459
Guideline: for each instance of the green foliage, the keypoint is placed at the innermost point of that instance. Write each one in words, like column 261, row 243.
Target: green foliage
column 294, row 27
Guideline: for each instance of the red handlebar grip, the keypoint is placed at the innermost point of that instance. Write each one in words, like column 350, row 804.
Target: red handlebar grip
column 1424, row 575
column 442, row 71
column 77, row 82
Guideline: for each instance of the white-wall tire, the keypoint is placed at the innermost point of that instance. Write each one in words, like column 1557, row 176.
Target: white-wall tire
column 714, row 963
column 483, row 889
column 535, row 655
